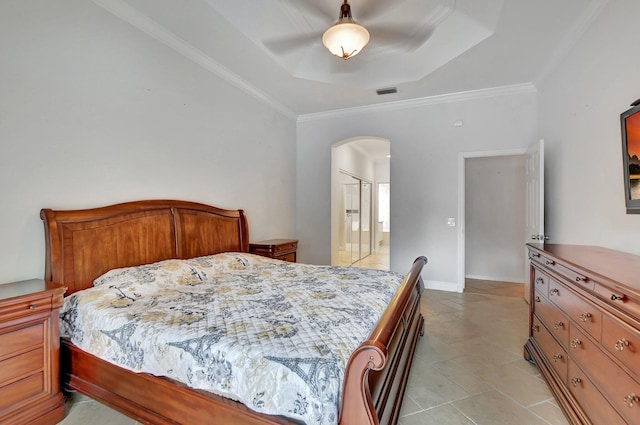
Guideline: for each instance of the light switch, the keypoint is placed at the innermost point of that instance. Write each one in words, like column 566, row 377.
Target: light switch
column 451, row 222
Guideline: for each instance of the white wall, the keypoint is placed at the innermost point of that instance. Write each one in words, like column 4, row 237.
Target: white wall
column 495, row 218
column 580, row 105
column 93, row 112
column 424, row 147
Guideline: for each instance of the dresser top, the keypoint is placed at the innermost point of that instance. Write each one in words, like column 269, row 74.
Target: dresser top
column 611, row 265
column 27, row 287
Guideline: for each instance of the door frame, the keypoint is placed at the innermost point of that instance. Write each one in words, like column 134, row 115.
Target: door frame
column 462, row 157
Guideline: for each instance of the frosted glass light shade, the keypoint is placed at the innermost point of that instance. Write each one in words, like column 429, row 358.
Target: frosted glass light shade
column 345, row 39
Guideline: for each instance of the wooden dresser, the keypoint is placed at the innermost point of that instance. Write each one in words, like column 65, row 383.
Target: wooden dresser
column 280, row 249
column 29, row 353
column 584, row 331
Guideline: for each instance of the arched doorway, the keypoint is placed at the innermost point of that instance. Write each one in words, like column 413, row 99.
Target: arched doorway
column 360, row 173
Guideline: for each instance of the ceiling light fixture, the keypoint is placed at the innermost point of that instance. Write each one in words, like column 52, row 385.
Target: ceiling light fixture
column 345, row 39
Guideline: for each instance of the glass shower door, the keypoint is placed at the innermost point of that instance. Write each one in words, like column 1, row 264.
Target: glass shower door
column 352, row 218
column 365, row 219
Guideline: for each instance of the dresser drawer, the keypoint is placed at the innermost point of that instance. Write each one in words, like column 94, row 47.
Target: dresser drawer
column 625, row 300
column 21, row 391
column 594, row 404
column 20, row 340
column 554, row 353
column 613, row 382
column 567, row 272
column 553, row 318
column 540, row 282
column 22, row 365
column 585, row 314
column 622, row 342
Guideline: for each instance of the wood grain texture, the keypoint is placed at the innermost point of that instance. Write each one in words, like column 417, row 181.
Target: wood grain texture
column 593, row 293
column 30, row 353
column 83, row 244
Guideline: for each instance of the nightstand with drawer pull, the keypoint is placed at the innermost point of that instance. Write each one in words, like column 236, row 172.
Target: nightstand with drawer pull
column 30, row 353
column 280, row 249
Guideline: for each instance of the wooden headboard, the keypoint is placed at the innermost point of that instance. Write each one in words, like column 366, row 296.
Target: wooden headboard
column 83, row 244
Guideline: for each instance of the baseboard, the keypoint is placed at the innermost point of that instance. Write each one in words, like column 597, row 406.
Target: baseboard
column 510, row 279
column 441, row 286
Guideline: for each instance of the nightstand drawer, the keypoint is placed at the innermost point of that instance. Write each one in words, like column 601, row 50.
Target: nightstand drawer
column 24, row 307
column 280, row 249
column 22, row 365
column 21, row 340
column 21, row 390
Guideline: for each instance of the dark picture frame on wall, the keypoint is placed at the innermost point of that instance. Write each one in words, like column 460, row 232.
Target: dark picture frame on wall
column 630, row 123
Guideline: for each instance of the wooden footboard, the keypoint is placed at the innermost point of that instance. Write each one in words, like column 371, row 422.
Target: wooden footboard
column 377, row 372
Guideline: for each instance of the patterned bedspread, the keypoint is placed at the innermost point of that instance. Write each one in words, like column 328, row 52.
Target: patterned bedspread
column 274, row 335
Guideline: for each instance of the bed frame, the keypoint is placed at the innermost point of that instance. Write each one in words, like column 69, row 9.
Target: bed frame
column 83, row 244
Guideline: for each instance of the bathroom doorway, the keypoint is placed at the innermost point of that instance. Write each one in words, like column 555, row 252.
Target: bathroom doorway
column 359, row 168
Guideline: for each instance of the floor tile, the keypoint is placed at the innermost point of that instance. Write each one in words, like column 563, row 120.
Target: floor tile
column 94, row 413
column 550, row 412
column 494, row 408
column 443, row 415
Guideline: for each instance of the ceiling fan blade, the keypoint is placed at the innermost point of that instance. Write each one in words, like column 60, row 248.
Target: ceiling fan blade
column 321, row 9
column 373, row 8
column 408, row 39
column 290, row 43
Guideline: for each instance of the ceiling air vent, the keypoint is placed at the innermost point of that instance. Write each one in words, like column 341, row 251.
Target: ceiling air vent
column 388, row 90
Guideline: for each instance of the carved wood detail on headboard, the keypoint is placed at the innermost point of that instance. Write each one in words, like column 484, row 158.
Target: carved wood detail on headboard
column 83, row 244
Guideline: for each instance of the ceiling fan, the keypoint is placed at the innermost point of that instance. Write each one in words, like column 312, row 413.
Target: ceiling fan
column 345, row 38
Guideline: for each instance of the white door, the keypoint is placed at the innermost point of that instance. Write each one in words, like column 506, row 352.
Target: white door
column 534, row 223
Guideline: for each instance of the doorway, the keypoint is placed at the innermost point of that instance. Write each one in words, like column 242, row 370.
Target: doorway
column 359, row 167
column 492, row 199
column 494, row 224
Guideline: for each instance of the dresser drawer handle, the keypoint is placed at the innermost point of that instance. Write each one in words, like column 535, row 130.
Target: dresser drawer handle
column 585, row 316
column 615, row 297
column 537, row 299
column 558, row 325
column 557, row 357
column 554, row 291
column 581, row 279
column 621, row 343
column 575, row 381
column 550, row 263
column 535, row 254
column 575, row 343
column 32, row 307
column 631, row 399
column 536, row 328
column 539, row 281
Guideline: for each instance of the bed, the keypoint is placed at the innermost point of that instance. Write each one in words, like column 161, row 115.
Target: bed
column 82, row 245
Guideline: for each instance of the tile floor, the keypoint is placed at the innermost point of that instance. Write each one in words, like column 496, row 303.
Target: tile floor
column 468, row 368
column 378, row 260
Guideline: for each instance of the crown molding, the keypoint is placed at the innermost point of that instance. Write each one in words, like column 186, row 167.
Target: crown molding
column 424, row 101
column 150, row 27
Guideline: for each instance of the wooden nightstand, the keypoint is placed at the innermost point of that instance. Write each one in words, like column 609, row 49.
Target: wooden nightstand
column 30, row 353
column 280, row 249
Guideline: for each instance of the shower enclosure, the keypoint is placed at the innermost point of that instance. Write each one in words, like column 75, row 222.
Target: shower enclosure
column 355, row 232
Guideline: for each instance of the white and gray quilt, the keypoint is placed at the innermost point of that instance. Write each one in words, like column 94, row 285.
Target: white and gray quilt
column 273, row 335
